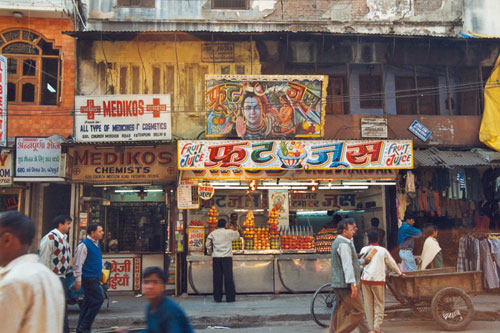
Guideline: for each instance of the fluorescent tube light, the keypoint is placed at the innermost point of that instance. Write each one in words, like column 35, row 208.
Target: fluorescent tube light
column 343, row 187
column 231, row 187
column 289, row 183
column 126, row 191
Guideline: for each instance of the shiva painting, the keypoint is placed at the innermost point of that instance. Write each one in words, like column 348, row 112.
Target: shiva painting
column 265, row 106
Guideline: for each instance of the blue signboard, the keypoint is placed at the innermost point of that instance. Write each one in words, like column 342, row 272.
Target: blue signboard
column 420, row 131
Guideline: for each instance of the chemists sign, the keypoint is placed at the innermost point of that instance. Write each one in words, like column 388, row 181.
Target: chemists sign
column 122, row 118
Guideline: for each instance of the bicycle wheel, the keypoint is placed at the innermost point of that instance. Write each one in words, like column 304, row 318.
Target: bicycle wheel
column 322, row 305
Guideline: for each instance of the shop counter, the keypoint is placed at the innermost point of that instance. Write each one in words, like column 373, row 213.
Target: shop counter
column 263, row 273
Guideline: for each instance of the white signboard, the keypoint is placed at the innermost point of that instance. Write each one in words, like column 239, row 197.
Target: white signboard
column 121, row 277
column 6, row 169
column 37, row 157
column 187, row 195
column 122, row 118
column 3, row 101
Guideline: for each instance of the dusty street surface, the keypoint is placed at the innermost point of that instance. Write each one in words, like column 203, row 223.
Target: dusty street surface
column 399, row 326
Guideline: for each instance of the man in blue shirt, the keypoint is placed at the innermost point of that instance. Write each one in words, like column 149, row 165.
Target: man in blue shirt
column 406, row 235
column 87, row 271
column 162, row 314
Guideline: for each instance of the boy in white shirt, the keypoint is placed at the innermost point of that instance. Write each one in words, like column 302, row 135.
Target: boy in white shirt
column 373, row 280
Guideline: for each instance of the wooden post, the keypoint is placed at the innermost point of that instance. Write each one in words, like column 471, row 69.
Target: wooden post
column 450, row 107
column 382, row 83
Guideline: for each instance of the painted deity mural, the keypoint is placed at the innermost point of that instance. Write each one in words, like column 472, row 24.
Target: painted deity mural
column 265, row 106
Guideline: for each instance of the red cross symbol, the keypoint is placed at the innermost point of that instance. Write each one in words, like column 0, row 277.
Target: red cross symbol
column 90, row 109
column 156, row 107
column 76, row 171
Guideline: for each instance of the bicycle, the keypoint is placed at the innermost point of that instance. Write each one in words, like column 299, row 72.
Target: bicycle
column 322, row 304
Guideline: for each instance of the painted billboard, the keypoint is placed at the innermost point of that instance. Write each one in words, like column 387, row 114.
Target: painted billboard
column 265, row 106
column 111, row 118
column 293, row 155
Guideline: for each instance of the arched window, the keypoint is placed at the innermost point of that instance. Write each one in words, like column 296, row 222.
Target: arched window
column 33, row 67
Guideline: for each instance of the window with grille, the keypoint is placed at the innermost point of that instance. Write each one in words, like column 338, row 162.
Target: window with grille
column 370, row 91
column 33, row 67
column 230, row 4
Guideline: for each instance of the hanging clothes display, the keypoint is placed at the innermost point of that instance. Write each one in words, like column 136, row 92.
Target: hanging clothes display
column 490, row 273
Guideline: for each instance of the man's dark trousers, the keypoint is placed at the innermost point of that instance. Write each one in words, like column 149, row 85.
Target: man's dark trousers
column 91, row 304
column 65, row 289
column 223, row 267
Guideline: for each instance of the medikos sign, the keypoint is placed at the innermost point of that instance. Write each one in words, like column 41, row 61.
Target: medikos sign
column 98, row 164
column 122, row 118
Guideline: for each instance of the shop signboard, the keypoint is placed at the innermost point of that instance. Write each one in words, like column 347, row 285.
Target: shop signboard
column 6, row 169
column 323, row 200
column 236, row 200
column 294, row 155
column 328, row 174
column 37, row 157
column 3, row 101
column 206, row 191
column 217, row 52
column 122, row 275
column 278, row 200
column 196, row 239
column 129, row 164
column 265, row 106
column 106, row 118
column 187, row 195
column 84, row 218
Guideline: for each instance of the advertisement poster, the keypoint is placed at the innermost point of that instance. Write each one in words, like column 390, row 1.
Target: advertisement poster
column 6, row 169
column 37, row 157
column 196, row 239
column 278, row 200
column 3, row 101
column 105, row 118
column 95, row 164
column 294, row 155
column 187, row 195
column 265, row 106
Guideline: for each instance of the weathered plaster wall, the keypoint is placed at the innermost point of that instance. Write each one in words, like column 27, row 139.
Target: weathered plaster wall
column 481, row 16
column 408, row 17
column 160, row 67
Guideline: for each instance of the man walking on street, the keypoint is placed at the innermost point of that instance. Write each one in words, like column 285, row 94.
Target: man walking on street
column 87, row 271
column 346, row 273
column 373, row 280
column 219, row 244
column 406, row 235
column 31, row 296
column 55, row 253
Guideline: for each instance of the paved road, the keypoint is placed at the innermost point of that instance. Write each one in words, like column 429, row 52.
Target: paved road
column 398, row 326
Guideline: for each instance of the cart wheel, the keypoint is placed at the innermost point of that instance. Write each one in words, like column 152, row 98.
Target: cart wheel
column 322, row 305
column 452, row 308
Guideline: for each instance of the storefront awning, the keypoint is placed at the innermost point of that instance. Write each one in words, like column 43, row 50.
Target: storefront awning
column 434, row 157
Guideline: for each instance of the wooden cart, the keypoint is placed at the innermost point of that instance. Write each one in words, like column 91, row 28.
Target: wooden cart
column 444, row 291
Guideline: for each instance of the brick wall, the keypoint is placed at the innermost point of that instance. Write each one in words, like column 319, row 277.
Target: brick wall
column 46, row 120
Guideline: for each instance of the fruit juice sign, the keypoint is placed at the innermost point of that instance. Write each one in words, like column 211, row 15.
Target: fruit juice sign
column 295, row 154
column 265, row 106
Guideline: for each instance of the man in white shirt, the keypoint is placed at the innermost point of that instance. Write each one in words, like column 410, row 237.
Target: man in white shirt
column 31, row 296
column 373, row 280
column 55, row 253
column 220, row 246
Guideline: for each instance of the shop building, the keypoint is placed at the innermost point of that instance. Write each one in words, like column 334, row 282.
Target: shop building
column 39, row 95
column 388, row 68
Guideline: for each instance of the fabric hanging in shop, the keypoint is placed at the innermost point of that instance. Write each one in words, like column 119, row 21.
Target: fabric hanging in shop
column 410, row 182
column 490, row 272
column 440, row 179
column 474, row 188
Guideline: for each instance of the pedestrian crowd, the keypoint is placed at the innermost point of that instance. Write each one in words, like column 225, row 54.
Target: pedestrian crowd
column 34, row 289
